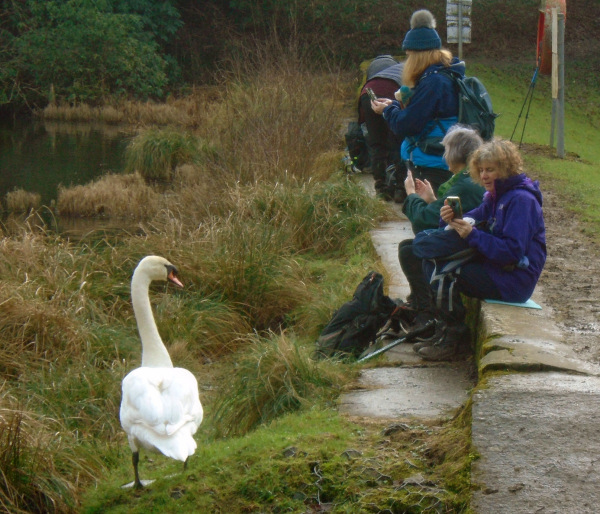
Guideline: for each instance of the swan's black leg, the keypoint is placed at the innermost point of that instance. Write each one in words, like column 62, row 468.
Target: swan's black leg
column 185, row 463
column 135, row 459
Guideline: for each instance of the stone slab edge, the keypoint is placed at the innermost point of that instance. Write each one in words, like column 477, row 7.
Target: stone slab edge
column 521, row 339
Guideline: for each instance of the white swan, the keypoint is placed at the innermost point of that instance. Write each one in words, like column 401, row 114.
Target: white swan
column 160, row 406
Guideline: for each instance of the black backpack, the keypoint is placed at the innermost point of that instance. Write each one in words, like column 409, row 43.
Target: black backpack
column 357, row 146
column 474, row 104
column 356, row 323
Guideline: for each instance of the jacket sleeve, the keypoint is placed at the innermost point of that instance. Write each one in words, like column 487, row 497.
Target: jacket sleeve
column 513, row 230
column 421, row 214
column 434, row 97
column 427, row 103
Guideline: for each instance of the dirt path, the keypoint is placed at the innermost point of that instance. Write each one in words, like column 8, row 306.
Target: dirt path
column 571, row 278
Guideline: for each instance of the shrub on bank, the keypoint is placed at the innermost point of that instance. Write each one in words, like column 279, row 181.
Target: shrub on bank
column 22, row 201
column 274, row 375
column 155, row 153
column 120, row 196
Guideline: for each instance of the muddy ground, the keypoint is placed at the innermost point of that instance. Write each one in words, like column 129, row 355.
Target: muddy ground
column 571, row 277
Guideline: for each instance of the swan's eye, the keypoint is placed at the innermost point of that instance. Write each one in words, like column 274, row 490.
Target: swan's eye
column 172, row 275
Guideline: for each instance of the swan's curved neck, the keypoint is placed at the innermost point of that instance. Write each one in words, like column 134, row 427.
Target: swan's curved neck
column 154, row 353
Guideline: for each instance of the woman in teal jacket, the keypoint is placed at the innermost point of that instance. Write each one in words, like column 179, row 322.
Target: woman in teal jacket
column 422, row 207
column 423, row 210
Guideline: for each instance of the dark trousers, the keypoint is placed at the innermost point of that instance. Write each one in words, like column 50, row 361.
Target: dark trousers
column 421, row 297
column 383, row 145
column 435, row 176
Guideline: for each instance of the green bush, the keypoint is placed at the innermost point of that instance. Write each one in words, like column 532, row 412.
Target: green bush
column 82, row 50
column 155, row 153
column 273, row 377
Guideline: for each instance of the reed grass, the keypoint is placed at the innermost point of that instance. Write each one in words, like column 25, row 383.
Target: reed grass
column 269, row 129
column 120, row 196
column 187, row 111
column 155, row 153
column 20, row 201
column 274, row 376
column 37, row 457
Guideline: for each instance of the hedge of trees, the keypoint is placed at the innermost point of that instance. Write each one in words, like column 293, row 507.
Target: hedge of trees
column 92, row 50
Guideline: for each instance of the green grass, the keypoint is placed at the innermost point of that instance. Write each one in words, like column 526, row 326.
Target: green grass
column 302, row 461
column 155, row 153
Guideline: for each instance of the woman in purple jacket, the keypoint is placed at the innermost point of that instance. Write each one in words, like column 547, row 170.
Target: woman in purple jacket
column 508, row 232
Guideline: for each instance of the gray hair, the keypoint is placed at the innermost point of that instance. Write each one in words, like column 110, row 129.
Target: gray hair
column 459, row 143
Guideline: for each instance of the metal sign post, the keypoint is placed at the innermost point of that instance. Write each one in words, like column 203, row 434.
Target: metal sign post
column 458, row 22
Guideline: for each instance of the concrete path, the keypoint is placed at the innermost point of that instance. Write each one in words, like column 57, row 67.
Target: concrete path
column 535, row 426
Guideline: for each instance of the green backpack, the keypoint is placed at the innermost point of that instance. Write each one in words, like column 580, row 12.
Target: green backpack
column 475, row 105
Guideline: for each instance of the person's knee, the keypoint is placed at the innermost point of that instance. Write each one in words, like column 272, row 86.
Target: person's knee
column 405, row 250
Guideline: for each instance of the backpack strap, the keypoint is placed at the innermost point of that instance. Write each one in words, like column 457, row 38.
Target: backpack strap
column 448, row 273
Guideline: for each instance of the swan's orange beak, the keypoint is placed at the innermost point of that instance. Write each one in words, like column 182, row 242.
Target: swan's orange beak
column 172, row 277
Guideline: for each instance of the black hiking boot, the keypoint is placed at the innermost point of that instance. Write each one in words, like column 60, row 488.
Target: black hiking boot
column 438, row 333
column 419, row 321
column 447, row 346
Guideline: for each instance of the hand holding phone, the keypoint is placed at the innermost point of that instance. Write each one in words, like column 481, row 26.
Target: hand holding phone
column 454, row 203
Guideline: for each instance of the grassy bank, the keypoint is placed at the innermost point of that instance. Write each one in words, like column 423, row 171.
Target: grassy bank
column 266, row 252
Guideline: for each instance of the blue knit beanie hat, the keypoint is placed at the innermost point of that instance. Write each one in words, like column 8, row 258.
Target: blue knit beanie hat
column 422, row 34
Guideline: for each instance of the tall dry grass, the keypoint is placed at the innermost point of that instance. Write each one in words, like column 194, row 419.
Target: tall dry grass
column 20, row 200
column 187, row 111
column 121, row 196
column 275, row 375
column 277, row 124
column 41, row 469
column 251, row 227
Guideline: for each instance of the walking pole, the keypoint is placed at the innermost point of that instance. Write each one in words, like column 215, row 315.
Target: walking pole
column 408, row 337
column 529, row 96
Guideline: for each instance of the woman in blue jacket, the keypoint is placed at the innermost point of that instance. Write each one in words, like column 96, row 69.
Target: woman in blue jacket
column 508, row 232
column 422, row 120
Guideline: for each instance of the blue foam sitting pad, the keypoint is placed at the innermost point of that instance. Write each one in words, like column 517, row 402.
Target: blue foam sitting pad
column 529, row 304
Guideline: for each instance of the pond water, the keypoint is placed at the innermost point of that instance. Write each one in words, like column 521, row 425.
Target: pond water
column 38, row 156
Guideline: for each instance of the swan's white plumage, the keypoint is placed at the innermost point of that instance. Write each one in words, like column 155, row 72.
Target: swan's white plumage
column 160, row 411
column 160, row 406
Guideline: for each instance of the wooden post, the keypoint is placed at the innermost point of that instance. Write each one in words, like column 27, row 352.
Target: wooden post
column 554, row 77
column 560, row 139
column 460, row 38
column 558, row 82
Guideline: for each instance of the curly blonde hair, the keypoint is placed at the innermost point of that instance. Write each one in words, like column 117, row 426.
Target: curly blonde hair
column 503, row 154
column 418, row 61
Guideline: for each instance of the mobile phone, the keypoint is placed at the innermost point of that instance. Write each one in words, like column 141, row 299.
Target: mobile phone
column 371, row 94
column 454, row 202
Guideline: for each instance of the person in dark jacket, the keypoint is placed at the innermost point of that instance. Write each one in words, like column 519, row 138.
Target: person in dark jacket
column 508, row 232
column 422, row 121
column 422, row 208
column 384, row 77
